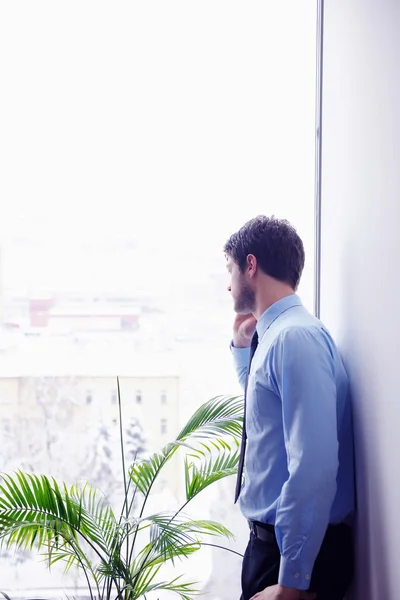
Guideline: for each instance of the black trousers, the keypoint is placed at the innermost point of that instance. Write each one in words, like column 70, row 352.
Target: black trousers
column 332, row 573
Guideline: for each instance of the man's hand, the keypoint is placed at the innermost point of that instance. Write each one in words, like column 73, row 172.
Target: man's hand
column 244, row 327
column 279, row 592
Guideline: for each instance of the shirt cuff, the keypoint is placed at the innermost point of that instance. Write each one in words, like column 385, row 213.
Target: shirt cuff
column 241, row 356
column 293, row 574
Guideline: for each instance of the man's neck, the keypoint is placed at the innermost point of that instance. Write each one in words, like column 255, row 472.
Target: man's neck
column 266, row 300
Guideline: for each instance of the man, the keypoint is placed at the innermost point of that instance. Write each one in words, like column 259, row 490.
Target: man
column 297, row 446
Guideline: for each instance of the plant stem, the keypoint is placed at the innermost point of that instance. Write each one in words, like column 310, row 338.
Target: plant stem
column 126, row 489
column 75, row 549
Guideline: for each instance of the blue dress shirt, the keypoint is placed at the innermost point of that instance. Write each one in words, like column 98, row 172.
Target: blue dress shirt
column 298, row 472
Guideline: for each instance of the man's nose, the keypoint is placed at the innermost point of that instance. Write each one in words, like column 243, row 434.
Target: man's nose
column 229, row 288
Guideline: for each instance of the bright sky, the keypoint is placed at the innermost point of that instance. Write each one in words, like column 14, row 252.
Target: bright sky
column 174, row 119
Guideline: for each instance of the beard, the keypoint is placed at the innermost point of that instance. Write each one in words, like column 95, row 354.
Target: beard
column 245, row 301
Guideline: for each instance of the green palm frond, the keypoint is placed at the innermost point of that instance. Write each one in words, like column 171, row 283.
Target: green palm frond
column 185, row 591
column 210, row 463
column 143, row 473
column 63, row 554
column 35, row 512
column 176, row 527
column 222, row 415
column 169, row 540
column 173, row 537
column 98, row 521
column 167, row 543
column 152, row 555
column 32, row 511
column 142, row 584
column 205, row 527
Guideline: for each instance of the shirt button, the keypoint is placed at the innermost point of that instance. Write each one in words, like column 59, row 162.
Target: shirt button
column 304, row 537
column 297, row 575
column 307, row 577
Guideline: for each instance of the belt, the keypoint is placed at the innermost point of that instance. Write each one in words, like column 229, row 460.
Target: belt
column 266, row 532
column 262, row 531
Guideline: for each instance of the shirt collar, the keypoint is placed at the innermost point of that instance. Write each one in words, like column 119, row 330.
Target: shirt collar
column 275, row 311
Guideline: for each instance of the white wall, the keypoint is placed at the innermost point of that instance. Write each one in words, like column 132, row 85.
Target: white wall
column 361, row 262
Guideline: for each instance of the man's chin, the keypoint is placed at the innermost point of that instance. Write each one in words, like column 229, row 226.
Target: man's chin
column 242, row 311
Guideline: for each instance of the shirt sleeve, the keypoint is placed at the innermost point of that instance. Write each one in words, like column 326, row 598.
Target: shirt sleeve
column 303, row 373
column 241, row 358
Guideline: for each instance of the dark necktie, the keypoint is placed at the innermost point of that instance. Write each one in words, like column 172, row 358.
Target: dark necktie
column 254, row 344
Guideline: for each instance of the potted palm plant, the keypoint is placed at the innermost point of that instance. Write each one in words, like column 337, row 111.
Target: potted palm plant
column 77, row 525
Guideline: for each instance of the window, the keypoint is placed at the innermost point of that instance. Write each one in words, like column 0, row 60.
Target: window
column 213, row 132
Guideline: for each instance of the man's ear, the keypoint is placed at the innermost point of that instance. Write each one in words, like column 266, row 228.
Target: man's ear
column 251, row 265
